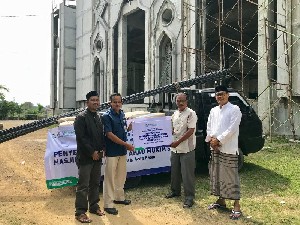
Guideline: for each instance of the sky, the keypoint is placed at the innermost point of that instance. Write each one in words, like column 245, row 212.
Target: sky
column 25, row 50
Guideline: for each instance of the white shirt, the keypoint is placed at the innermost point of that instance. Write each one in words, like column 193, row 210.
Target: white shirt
column 223, row 124
column 181, row 122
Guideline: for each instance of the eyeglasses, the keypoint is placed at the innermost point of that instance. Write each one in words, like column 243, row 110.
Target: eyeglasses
column 180, row 101
column 221, row 93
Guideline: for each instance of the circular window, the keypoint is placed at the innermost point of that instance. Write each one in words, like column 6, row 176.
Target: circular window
column 167, row 16
column 99, row 45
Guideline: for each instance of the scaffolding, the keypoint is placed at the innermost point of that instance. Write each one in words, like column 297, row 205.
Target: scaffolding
column 245, row 36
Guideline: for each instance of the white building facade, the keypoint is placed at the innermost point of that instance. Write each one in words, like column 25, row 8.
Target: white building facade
column 121, row 46
column 131, row 46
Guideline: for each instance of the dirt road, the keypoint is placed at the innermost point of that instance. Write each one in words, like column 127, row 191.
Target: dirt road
column 24, row 198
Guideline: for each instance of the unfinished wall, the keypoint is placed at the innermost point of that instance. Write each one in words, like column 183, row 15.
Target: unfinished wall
column 84, row 71
column 67, row 65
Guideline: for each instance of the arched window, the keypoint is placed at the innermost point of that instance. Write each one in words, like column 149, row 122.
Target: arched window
column 100, row 80
column 165, row 77
column 97, row 75
column 165, row 61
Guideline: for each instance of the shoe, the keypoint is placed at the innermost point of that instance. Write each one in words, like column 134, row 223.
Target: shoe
column 83, row 218
column 98, row 212
column 124, row 202
column 112, row 211
column 172, row 195
column 216, row 206
column 235, row 215
column 188, row 203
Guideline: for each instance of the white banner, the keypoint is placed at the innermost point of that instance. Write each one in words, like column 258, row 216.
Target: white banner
column 150, row 136
column 60, row 166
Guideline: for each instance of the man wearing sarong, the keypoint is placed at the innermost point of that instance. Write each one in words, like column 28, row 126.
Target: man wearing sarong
column 222, row 135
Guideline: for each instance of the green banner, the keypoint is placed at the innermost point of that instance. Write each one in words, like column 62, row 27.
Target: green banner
column 139, row 149
column 62, row 182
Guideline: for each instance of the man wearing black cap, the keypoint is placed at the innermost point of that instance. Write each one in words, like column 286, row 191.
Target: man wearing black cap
column 90, row 144
column 222, row 135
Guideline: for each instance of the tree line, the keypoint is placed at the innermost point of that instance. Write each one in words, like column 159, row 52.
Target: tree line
column 13, row 110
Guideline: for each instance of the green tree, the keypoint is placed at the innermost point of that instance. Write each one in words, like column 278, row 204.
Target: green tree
column 2, row 87
column 4, row 109
column 31, row 114
column 9, row 109
column 14, row 109
column 19, row 110
column 40, row 108
column 27, row 105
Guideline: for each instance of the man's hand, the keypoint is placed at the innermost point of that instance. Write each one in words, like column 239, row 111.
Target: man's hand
column 96, row 155
column 101, row 154
column 129, row 147
column 129, row 128
column 215, row 144
column 174, row 144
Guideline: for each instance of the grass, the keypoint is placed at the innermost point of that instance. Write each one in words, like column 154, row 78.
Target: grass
column 270, row 187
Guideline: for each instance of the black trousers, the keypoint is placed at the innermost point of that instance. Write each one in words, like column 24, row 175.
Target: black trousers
column 87, row 191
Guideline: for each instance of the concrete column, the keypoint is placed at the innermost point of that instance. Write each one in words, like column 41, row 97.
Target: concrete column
column 296, row 47
column 147, row 85
column 54, row 61
column 283, row 45
column 192, row 40
column 110, row 62
column 201, row 36
column 122, row 56
column 263, row 68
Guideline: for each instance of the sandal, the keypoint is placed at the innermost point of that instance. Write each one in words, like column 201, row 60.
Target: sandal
column 83, row 218
column 216, row 206
column 235, row 215
column 98, row 212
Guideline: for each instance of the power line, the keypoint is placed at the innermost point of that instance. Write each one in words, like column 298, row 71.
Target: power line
column 14, row 16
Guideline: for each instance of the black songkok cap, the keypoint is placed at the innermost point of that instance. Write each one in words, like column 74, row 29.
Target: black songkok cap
column 91, row 93
column 221, row 88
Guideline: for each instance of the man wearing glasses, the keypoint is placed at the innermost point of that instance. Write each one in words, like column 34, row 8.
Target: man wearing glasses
column 115, row 128
column 222, row 135
column 183, row 151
